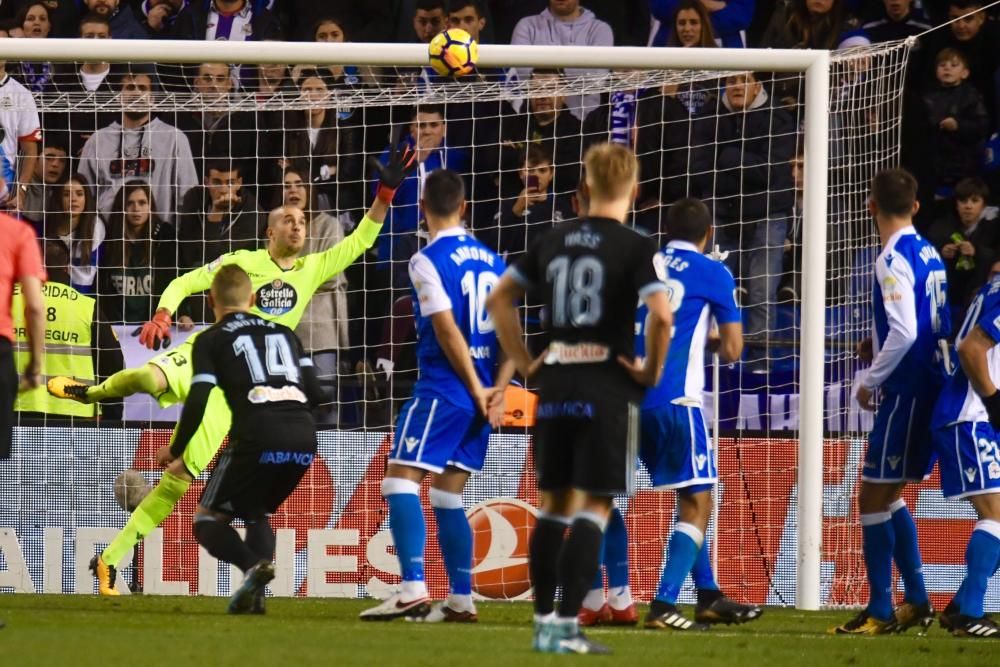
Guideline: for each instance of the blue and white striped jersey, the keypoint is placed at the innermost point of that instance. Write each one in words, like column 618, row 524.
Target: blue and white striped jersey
column 958, row 401
column 911, row 316
column 454, row 272
column 700, row 288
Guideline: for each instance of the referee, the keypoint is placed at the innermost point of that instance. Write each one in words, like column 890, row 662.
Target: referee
column 20, row 262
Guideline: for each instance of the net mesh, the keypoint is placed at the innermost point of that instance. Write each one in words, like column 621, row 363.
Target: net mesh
column 227, row 144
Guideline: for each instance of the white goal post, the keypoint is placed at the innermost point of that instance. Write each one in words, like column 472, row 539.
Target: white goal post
column 815, row 64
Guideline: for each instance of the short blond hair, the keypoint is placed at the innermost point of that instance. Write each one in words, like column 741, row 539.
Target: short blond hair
column 612, row 171
column 231, row 287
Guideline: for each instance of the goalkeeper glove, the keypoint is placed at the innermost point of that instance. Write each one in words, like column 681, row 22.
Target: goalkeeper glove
column 391, row 175
column 992, row 405
column 154, row 331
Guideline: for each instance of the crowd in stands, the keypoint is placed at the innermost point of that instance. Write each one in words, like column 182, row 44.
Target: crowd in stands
column 138, row 196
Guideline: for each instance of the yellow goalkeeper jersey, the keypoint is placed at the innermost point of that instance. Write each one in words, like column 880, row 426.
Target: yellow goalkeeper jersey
column 282, row 294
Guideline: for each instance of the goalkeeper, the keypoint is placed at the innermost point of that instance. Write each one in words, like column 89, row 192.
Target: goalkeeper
column 283, row 282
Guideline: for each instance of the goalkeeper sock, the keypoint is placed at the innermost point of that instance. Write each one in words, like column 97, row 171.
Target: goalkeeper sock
column 906, row 553
column 579, row 558
column 127, row 382
column 981, row 556
column 260, row 537
column 877, row 540
column 543, row 558
column 222, row 541
column 455, row 539
column 409, row 532
column 702, row 572
column 685, row 542
column 150, row 513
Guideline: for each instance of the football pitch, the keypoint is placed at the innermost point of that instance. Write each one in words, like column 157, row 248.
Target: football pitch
column 74, row 630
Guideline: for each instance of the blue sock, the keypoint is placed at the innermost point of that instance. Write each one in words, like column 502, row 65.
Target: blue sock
column 684, row 545
column 455, row 538
column 981, row 557
column 906, row 553
column 877, row 539
column 406, row 521
column 702, row 572
column 616, row 550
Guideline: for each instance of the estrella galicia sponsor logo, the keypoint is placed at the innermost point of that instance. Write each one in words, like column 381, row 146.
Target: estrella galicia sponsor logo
column 276, row 297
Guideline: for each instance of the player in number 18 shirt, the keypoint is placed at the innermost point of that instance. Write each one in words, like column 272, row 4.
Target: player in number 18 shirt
column 590, row 275
column 910, row 354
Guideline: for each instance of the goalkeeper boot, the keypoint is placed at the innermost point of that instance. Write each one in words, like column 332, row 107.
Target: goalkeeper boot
column 396, row 607
column 720, row 609
column 663, row 615
column 967, row 626
column 255, row 579
column 862, row 624
column 61, row 386
column 909, row 615
column 106, row 576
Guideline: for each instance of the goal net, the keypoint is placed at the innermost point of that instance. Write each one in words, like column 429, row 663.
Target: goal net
column 165, row 167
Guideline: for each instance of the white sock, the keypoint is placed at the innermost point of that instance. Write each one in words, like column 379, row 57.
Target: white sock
column 594, row 599
column 545, row 618
column 461, row 603
column 620, row 598
column 412, row 590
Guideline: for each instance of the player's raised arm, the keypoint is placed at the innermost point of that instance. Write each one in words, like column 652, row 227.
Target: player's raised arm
column 401, row 163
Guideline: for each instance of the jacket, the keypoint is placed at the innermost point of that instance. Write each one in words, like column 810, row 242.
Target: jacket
column 166, row 164
column 131, row 293
column 957, row 153
column 741, row 160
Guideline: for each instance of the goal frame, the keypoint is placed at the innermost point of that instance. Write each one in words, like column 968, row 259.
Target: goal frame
column 814, row 63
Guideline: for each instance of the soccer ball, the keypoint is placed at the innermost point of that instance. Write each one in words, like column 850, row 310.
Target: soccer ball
column 130, row 489
column 453, row 53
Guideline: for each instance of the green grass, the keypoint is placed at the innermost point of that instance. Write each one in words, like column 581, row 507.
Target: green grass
column 179, row 631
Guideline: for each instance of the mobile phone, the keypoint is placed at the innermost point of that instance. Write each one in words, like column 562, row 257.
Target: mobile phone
column 532, row 181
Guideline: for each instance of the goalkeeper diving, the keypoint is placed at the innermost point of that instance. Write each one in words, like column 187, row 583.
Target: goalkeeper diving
column 283, row 282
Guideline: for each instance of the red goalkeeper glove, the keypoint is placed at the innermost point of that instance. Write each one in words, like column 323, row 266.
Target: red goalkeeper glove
column 156, row 331
column 402, row 162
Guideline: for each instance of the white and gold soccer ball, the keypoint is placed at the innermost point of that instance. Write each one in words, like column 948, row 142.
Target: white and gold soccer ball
column 453, row 53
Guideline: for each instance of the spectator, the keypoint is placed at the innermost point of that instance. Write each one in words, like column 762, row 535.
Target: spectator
column 467, row 15
column 268, row 80
column 956, row 123
column 428, row 20
column 214, row 130
column 900, row 22
column 523, row 219
column 743, row 149
column 729, row 21
column 35, row 23
column 139, row 146
column 82, row 79
column 367, row 21
column 976, row 38
column 324, row 326
column 232, row 20
column 968, row 239
column 398, row 241
column 219, row 217
column 21, row 132
column 139, row 258
column 629, row 19
column 546, row 119
column 71, row 218
column 692, row 28
column 124, row 20
column 565, row 23
column 332, row 30
column 160, row 15
column 50, row 172
column 328, row 147
column 807, row 24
